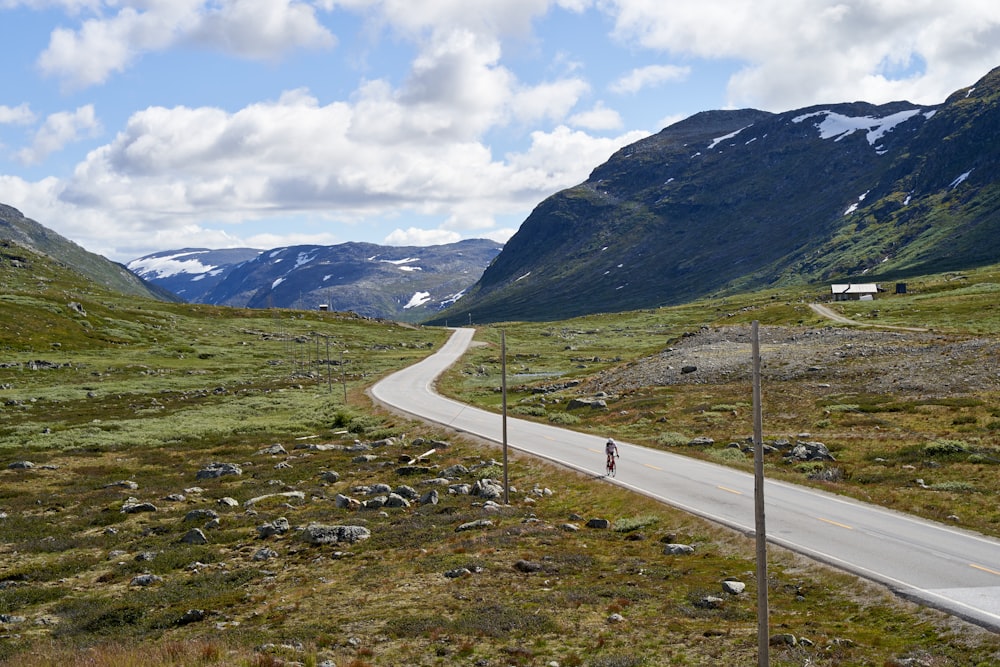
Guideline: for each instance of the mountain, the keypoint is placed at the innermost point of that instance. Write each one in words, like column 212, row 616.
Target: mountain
column 408, row 284
column 22, row 231
column 191, row 273
column 728, row 201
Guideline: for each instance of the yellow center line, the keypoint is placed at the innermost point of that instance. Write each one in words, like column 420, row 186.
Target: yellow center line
column 651, row 466
column 984, row 569
column 834, row 523
column 739, row 493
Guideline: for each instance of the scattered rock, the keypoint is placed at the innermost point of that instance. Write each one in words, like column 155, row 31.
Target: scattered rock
column 132, row 506
column 201, row 515
column 472, row 525
column 322, row 534
column 678, row 549
column 191, row 616
column 194, row 536
column 215, row 470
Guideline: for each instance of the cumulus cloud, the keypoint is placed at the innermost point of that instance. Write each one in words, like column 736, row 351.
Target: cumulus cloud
column 599, row 117
column 653, row 75
column 19, row 115
column 416, row 236
column 798, row 54
column 247, row 28
column 59, row 130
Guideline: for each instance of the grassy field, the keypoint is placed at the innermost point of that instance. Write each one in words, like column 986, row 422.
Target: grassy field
column 110, row 407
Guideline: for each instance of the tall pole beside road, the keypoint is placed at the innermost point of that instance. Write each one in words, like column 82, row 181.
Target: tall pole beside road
column 503, row 391
column 763, row 632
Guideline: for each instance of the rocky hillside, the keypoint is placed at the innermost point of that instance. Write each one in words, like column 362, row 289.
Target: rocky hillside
column 22, row 231
column 727, row 201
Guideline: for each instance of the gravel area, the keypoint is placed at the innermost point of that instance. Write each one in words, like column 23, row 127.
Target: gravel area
column 852, row 359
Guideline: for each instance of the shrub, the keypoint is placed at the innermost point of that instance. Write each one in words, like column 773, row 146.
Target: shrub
column 946, row 447
column 626, row 525
column 563, row 418
column 672, row 439
column 728, row 455
column 529, row 410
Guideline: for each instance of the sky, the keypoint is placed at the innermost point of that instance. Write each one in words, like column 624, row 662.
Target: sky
column 138, row 126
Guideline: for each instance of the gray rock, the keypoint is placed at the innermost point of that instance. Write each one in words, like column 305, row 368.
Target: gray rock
column 396, row 500
column 407, row 492
column 456, row 471
column 430, row 498
column 273, row 450
column 527, row 566
column 330, row 476
column 191, row 616
column 733, row 587
column 265, row 553
column 473, row 525
column 201, row 515
column 137, row 507
column 323, row 534
column 21, row 465
column 678, row 550
column 215, row 470
column 194, row 536
column 488, row 489
column 346, row 502
column 279, row 526
column 600, row 524
column 123, row 484
column 145, row 580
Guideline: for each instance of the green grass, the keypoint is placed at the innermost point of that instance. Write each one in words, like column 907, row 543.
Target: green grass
column 152, row 392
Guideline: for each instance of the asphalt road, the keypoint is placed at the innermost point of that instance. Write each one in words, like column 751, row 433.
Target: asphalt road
column 937, row 565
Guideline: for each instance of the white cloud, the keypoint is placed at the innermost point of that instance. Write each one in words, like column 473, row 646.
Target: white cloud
column 599, row 117
column 799, row 54
column 59, row 130
column 263, row 29
column 645, row 77
column 415, row 236
column 248, row 28
column 19, row 115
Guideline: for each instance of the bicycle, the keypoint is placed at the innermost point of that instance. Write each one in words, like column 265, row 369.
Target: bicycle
column 610, row 467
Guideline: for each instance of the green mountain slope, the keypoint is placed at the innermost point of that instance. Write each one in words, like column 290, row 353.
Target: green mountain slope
column 14, row 227
column 737, row 200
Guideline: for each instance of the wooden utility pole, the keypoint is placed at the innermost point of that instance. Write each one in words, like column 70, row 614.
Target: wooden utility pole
column 503, row 391
column 763, row 631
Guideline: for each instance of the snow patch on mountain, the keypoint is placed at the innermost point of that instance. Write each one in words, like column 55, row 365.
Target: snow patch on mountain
column 718, row 140
column 837, row 126
column 164, row 267
column 418, row 299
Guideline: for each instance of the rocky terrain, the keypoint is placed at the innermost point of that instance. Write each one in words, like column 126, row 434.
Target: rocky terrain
column 902, row 362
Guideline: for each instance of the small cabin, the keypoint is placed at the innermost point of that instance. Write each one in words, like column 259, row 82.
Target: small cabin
column 324, row 307
column 854, row 291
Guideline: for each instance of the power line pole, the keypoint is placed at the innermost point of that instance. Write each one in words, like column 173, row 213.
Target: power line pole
column 763, row 631
column 503, row 386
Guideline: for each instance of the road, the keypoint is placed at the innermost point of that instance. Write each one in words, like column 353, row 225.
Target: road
column 938, row 565
column 830, row 314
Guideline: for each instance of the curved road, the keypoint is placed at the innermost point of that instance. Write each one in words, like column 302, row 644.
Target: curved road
column 941, row 566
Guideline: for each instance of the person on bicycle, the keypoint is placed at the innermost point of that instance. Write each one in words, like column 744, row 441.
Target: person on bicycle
column 611, row 451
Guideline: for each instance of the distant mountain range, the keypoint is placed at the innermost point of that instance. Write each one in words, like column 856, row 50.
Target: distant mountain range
column 728, row 201
column 408, row 284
